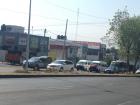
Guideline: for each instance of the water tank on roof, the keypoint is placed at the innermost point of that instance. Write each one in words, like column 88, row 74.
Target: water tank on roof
column 12, row 28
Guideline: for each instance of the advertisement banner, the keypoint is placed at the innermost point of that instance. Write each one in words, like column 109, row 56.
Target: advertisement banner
column 92, row 45
column 34, row 42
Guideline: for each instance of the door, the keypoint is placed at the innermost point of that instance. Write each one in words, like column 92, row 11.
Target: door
column 69, row 65
column 42, row 63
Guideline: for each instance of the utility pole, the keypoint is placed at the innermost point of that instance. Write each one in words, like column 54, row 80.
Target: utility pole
column 65, row 39
column 32, row 29
column 28, row 37
column 76, row 32
column 44, row 41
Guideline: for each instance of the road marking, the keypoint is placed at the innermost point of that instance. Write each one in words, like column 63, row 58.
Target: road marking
column 124, row 103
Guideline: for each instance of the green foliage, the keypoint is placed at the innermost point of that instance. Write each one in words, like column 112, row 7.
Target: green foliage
column 108, row 59
column 126, row 32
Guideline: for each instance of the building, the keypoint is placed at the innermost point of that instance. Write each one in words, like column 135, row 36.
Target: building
column 13, row 43
column 13, row 46
column 75, row 50
column 57, row 50
column 92, row 50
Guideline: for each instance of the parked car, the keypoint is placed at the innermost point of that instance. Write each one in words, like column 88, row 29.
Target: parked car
column 83, row 65
column 98, row 66
column 138, row 71
column 94, row 68
column 61, row 65
column 38, row 62
column 117, row 67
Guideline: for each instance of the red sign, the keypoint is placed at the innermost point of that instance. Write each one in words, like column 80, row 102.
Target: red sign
column 94, row 45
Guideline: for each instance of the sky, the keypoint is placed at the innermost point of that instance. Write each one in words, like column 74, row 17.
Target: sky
column 93, row 19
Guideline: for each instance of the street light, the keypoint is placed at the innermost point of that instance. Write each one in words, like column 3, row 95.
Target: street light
column 28, row 37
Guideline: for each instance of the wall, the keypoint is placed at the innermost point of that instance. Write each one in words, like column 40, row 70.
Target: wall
column 56, row 53
column 16, row 43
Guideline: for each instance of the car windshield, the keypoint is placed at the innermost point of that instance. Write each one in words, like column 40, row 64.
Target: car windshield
column 34, row 59
column 112, row 66
column 94, row 63
column 59, row 62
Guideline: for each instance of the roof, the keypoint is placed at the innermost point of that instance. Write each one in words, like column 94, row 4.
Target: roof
column 84, row 60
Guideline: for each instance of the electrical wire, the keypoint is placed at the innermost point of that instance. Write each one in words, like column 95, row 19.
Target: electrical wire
column 80, row 13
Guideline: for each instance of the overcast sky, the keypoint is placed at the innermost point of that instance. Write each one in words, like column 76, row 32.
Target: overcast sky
column 52, row 15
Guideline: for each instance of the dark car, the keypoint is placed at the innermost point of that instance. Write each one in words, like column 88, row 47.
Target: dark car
column 117, row 67
column 38, row 62
column 94, row 68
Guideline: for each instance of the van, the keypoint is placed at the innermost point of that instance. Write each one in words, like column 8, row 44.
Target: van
column 117, row 67
column 83, row 65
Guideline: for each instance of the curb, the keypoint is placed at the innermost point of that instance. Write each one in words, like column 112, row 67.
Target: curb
column 55, row 75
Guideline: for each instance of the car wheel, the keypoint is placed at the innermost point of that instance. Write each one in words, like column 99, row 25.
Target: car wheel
column 36, row 68
column 77, row 69
column 61, row 69
column 72, row 69
column 24, row 67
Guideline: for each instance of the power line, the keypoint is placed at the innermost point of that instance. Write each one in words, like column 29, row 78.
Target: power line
column 86, row 23
column 25, row 13
column 80, row 13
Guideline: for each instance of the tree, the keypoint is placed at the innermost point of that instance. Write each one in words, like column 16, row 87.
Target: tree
column 115, row 29
column 130, row 35
column 111, row 55
column 136, row 40
column 126, row 32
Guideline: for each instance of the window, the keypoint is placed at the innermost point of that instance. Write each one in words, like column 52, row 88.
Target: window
column 69, row 62
column 92, row 51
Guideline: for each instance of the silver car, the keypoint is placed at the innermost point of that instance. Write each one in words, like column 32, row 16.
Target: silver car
column 61, row 65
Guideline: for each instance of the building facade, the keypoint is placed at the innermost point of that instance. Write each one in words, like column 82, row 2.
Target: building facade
column 14, row 45
column 92, row 50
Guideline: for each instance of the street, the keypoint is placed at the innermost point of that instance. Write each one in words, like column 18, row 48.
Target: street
column 70, row 91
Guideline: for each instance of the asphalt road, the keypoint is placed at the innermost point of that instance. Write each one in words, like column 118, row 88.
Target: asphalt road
column 70, row 91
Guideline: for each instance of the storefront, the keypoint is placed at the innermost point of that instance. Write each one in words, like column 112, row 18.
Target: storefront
column 15, row 46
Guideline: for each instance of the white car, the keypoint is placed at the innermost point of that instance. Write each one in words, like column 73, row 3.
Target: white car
column 61, row 65
column 83, row 65
column 138, row 71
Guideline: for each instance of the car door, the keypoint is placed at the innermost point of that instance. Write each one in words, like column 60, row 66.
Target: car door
column 68, row 65
column 65, row 65
column 42, row 63
column 88, row 63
